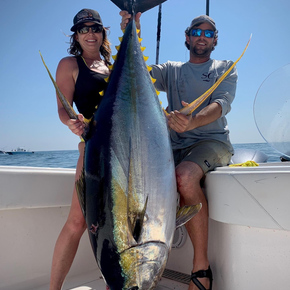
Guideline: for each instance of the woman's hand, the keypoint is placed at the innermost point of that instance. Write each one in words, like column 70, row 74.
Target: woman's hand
column 77, row 126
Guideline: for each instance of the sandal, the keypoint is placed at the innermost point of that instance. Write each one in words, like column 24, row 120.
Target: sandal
column 202, row 274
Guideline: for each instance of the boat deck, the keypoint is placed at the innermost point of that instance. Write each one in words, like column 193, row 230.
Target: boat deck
column 94, row 281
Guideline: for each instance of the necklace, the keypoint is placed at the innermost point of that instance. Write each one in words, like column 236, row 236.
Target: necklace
column 97, row 65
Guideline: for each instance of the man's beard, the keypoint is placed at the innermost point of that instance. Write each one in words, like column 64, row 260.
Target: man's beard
column 200, row 52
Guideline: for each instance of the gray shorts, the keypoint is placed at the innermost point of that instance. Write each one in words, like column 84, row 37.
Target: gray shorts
column 208, row 154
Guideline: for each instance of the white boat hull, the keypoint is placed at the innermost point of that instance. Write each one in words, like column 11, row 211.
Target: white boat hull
column 250, row 226
column 249, row 230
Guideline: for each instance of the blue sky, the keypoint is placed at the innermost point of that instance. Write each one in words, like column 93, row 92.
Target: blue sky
column 28, row 112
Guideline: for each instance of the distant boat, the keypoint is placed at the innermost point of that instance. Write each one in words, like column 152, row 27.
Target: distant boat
column 19, row 150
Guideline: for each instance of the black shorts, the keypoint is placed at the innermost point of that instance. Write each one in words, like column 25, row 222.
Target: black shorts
column 208, row 154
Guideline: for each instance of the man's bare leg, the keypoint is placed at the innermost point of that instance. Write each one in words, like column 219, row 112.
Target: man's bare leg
column 188, row 176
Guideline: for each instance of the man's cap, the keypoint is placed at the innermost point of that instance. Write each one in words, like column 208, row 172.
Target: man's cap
column 86, row 15
column 199, row 20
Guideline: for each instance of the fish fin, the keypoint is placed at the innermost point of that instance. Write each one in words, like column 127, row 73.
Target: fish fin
column 81, row 188
column 185, row 213
column 137, row 5
column 196, row 103
column 69, row 109
column 165, row 112
column 136, row 224
column 67, row 106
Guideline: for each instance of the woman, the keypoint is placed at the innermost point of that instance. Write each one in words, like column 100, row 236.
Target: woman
column 80, row 78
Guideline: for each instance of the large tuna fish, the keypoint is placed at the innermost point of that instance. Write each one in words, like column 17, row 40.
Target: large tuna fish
column 130, row 185
column 128, row 189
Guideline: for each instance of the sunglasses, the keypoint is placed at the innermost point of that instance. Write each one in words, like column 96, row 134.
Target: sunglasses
column 207, row 33
column 85, row 29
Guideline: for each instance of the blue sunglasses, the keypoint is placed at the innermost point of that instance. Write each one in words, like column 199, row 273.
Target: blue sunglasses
column 207, row 33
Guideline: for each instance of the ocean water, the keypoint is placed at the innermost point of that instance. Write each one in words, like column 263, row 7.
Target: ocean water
column 68, row 158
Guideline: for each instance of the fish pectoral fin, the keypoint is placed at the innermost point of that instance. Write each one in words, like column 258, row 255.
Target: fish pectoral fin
column 136, row 221
column 186, row 213
column 80, row 188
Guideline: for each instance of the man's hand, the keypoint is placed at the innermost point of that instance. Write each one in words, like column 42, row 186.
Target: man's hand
column 178, row 122
column 126, row 18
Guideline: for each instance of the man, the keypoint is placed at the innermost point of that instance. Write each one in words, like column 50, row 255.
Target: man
column 200, row 141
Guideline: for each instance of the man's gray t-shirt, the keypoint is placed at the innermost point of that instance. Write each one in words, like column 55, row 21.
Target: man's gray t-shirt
column 188, row 81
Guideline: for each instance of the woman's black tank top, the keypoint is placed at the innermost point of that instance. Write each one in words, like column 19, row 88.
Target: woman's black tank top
column 88, row 86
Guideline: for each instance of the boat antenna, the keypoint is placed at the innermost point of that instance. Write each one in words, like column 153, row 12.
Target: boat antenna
column 158, row 33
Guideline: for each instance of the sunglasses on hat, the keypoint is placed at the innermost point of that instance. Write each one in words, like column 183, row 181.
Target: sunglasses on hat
column 85, row 29
column 207, row 33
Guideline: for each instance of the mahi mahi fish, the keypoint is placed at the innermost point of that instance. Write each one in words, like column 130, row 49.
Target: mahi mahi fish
column 127, row 189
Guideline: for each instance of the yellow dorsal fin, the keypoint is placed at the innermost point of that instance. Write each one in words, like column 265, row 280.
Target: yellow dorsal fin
column 101, row 93
column 153, row 80
column 137, row 30
column 149, row 68
column 117, row 47
column 140, row 39
column 157, row 93
column 111, row 67
column 142, row 48
column 145, row 57
column 120, row 38
column 165, row 112
column 114, row 57
column 106, row 79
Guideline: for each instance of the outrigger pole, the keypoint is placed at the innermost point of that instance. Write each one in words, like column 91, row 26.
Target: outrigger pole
column 159, row 28
column 158, row 33
column 207, row 7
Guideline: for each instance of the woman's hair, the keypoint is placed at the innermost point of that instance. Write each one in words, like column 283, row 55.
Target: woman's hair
column 105, row 49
